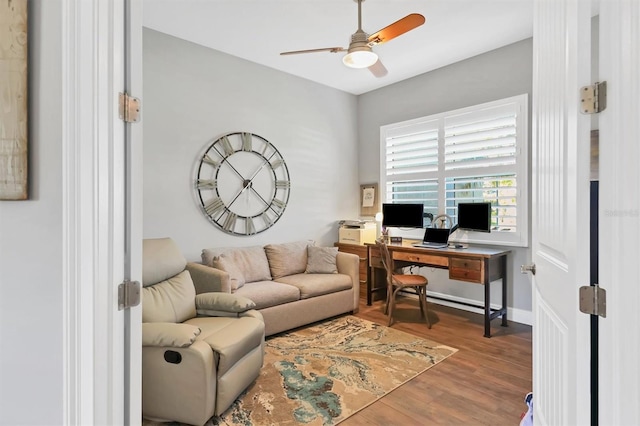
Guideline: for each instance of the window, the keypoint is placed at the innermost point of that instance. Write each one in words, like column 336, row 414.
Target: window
column 475, row 154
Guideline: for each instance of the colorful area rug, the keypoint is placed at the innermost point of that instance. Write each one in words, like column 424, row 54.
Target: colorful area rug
column 322, row 374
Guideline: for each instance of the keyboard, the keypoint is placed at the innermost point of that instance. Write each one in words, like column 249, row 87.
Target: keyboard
column 430, row 245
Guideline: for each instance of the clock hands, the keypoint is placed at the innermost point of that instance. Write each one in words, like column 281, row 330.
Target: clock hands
column 246, row 183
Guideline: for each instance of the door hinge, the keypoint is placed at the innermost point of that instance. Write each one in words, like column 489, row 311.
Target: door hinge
column 129, row 108
column 593, row 99
column 593, row 300
column 128, row 294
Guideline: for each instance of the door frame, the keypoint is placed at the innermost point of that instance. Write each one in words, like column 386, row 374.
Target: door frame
column 619, row 211
column 94, row 203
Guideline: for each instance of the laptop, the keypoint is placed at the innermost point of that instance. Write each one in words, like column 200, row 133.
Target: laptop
column 434, row 238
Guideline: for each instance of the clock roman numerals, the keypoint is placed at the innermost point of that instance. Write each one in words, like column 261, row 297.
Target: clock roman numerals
column 266, row 219
column 250, row 227
column 282, row 184
column 229, row 224
column 209, row 160
column 278, row 205
column 226, row 146
column 214, row 206
column 206, row 184
column 246, row 142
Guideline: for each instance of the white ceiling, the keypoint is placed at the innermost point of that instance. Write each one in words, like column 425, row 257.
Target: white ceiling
column 258, row 30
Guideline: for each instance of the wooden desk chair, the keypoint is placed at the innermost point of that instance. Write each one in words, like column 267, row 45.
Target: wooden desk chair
column 397, row 282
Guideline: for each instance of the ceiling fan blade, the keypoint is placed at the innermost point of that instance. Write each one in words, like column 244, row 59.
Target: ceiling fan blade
column 324, row 49
column 396, row 29
column 378, row 70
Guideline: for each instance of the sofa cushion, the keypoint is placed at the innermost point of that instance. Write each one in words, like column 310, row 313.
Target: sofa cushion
column 288, row 258
column 321, row 260
column 311, row 285
column 172, row 300
column 269, row 293
column 226, row 263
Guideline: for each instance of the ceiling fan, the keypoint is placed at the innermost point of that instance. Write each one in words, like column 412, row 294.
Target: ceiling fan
column 359, row 53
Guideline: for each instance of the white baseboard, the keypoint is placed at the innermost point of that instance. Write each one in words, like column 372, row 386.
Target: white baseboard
column 516, row 315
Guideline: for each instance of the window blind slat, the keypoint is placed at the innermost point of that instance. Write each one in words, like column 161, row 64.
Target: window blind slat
column 479, row 145
column 497, row 153
column 474, row 126
column 485, row 162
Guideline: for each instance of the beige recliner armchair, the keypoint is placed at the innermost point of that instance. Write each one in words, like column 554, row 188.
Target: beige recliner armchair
column 199, row 352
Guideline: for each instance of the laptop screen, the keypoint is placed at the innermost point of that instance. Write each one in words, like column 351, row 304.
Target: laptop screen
column 436, row 235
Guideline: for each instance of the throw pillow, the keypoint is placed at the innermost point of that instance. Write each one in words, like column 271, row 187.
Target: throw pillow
column 321, row 260
column 287, row 259
column 251, row 262
column 224, row 263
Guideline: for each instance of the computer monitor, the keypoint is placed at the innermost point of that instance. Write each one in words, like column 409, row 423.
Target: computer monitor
column 403, row 215
column 474, row 216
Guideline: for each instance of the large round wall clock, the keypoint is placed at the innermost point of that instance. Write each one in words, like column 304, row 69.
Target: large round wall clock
column 242, row 183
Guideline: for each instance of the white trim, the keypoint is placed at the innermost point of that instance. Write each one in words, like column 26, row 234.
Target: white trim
column 77, row 236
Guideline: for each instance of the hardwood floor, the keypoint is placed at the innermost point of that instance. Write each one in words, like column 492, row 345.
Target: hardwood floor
column 484, row 383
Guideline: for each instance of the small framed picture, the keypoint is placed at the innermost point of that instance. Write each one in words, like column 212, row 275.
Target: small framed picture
column 369, row 199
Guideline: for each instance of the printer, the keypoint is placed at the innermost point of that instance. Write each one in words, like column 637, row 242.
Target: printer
column 356, row 232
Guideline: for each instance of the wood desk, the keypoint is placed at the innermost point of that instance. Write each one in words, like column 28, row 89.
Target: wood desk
column 475, row 264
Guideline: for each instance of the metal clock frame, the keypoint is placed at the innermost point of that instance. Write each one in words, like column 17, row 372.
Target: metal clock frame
column 221, row 214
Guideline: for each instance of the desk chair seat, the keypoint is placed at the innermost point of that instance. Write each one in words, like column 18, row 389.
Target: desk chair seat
column 397, row 282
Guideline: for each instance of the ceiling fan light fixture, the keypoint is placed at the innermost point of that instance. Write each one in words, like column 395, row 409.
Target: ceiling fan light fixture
column 360, row 57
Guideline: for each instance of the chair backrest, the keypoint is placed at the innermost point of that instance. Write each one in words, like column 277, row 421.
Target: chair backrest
column 161, row 259
column 386, row 260
column 168, row 294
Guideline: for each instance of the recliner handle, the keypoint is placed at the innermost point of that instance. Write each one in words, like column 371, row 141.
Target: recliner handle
column 172, row 357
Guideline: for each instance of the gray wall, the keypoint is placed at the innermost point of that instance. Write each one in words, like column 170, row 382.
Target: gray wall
column 193, row 95
column 30, row 245
column 494, row 75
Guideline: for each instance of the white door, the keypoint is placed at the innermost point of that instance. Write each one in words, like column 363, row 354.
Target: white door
column 560, row 206
column 620, row 212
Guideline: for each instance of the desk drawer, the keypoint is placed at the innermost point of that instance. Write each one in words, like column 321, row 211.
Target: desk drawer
column 466, row 269
column 375, row 262
column 361, row 252
column 426, row 259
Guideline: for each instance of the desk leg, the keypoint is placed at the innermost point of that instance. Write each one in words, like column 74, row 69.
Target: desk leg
column 370, row 282
column 487, row 303
column 504, row 290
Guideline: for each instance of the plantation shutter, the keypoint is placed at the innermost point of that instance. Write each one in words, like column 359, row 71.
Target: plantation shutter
column 480, row 141
column 480, row 155
column 474, row 154
column 411, row 154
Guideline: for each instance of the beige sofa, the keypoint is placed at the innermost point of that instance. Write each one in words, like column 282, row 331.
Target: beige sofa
column 292, row 284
